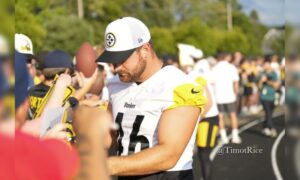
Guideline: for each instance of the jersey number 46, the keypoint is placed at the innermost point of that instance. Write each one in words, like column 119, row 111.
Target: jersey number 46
column 134, row 137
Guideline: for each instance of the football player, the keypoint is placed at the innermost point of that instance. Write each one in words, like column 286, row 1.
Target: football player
column 157, row 108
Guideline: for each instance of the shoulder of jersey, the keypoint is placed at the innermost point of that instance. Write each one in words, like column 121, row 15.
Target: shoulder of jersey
column 36, row 89
column 174, row 76
column 183, row 89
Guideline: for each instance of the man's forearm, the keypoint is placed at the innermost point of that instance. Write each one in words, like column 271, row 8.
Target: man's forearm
column 236, row 88
column 80, row 93
column 152, row 160
column 92, row 158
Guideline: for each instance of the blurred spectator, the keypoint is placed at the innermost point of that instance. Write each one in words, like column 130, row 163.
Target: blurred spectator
column 23, row 45
column 293, row 95
column 208, row 126
column 6, row 98
column 47, row 159
column 259, row 64
column 39, row 71
column 55, row 63
column 226, row 88
column 268, row 83
column 282, row 79
column 237, row 58
column 275, row 65
column 248, row 77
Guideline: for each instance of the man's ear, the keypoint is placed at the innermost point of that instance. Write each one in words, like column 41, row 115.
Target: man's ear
column 104, row 74
column 146, row 50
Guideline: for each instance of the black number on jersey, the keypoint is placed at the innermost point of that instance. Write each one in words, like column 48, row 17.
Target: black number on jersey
column 121, row 133
column 134, row 137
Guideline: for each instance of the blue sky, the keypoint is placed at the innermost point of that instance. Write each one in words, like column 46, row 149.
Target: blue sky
column 292, row 12
column 271, row 12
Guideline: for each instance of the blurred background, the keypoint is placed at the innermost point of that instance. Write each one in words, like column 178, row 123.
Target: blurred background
column 207, row 24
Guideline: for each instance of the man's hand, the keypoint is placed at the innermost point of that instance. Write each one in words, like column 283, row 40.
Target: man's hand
column 85, row 84
column 64, row 80
column 34, row 128
column 84, row 81
column 58, row 93
column 57, row 132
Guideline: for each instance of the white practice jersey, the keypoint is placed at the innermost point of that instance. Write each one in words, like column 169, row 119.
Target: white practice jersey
column 138, row 108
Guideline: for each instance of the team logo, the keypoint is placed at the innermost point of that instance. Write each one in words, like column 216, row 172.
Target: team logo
column 193, row 91
column 110, row 39
column 25, row 46
column 129, row 105
column 140, row 40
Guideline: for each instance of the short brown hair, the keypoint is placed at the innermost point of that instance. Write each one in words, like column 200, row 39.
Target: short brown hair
column 50, row 73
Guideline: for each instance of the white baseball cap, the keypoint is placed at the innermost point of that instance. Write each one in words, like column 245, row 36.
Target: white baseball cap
column 197, row 53
column 23, row 45
column 122, row 37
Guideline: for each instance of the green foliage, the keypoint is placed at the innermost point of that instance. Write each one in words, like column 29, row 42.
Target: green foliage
column 29, row 25
column 196, row 33
column 163, row 41
column 233, row 40
column 278, row 46
column 67, row 35
column 253, row 31
column 54, row 24
column 7, row 17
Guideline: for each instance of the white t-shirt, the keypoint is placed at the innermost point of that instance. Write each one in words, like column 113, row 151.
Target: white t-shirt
column 138, row 108
column 202, row 70
column 276, row 68
column 224, row 75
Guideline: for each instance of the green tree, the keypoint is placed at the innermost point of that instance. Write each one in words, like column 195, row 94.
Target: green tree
column 67, row 35
column 196, row 33
column 163, row 41
column 7, row 17
column 234, row 40
column 252, row 29
column 28, row 24
column 200, row 23
column 155, row 13
column 254, row 15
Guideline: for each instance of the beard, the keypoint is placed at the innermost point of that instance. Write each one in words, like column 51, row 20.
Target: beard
column 135, row 74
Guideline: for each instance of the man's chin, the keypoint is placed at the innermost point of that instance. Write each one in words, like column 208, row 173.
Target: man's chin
column 124, row 79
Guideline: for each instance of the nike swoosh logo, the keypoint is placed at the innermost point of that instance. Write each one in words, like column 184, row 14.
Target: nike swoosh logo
column 194, row 92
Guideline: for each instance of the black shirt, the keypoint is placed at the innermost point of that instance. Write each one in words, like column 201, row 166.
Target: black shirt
column 36, row 94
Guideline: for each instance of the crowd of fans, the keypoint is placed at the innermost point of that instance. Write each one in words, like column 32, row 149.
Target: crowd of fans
column 47, row 87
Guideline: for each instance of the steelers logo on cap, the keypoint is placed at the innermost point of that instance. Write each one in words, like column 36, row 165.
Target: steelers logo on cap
column 110, row 39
